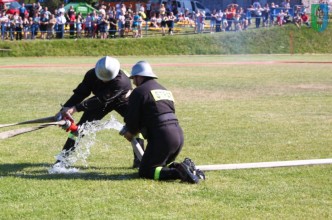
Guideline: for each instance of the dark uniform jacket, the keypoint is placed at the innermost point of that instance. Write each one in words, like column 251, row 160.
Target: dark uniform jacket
column 150, row 105
column 105, row 93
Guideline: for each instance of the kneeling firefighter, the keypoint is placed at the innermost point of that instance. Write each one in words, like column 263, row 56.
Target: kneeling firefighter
column 110, row 87
column 151, row 112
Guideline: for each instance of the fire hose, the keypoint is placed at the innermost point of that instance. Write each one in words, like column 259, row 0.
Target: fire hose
column 66, row 123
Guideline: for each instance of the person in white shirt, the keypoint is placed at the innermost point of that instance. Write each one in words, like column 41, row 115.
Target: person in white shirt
column 60, row 22
column 3, row 24
column 62, row 9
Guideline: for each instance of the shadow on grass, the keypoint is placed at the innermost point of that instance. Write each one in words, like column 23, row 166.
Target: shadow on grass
column 39, row 171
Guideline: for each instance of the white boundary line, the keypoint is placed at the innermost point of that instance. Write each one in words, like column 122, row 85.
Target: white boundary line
column 264, row 164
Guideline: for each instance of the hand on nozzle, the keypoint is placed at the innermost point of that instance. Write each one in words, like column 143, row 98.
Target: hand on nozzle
column 70, row 126
column 67, row 125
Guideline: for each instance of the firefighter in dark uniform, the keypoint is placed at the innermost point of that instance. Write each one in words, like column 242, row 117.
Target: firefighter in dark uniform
column 111, row 88
column 151, row 112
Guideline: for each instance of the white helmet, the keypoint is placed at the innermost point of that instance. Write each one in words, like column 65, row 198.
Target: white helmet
column 107, row 68
column 142, row 68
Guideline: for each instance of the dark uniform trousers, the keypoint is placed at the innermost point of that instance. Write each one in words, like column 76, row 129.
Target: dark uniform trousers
column 164, row 143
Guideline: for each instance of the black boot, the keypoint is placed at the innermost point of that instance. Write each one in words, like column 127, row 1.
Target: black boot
column 200, row 174
column 186, row 173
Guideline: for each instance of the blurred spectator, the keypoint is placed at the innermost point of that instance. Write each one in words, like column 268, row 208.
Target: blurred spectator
column 30, row 27
column 219, row 16
column 142, row 14
column 158, row 18
column 273, row 14
column 153, row 21
column 46, row 12
column 32, row 10
column 286, row 4
column 88, row 25
column 237, row 22
column 163, row 23
column 102, row 10
column 229, row 16
column 258, row 15
column 111, row 12
column 305, row 19
column 130, row 9
column 60, row 23
column 142, row 11
column 148, row 10
column 19, row 28
column 112, row 30
column 170, row 23
column 94, row 24
column 79, row 24
column 11, row 26
column 38, row 8
column 72, row 22
column 202, row 21
column 256, row 4
column 23, row 11
column 224, row 20
column 297, row 20
column 121, row 22
column 213, row 21
column 287, row 17
column 243, row 18
column 137, row 25
column 51, row 26
column 123, row 9
column 280, row 18
column 26, row 26
column 127, row 24
column 103, row 26
column 162, row 10
column 43, row 26
column 265, row 15
column 3, row 24
column 61, row 9
column 35, row 25
column 69, row 13
column 196, row 19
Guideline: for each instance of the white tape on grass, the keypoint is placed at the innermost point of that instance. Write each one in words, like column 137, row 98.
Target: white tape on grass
column 264, row 164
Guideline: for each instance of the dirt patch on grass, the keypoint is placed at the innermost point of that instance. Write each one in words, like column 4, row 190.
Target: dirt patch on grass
column 315, row 87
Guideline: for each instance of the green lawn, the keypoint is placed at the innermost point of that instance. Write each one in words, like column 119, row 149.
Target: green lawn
column 233, row 109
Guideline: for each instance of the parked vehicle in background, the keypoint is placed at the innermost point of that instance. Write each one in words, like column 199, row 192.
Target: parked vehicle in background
column 11, row 6
column 181, row 6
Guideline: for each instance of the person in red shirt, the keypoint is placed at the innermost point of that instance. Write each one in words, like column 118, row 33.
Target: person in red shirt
column 305, row 19
column 72, row 21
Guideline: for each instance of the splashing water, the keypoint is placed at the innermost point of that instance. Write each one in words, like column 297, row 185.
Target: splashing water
column 85, row 140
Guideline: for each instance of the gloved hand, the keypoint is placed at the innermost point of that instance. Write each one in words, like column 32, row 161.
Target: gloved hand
column 68, row 112
column 65, row 112
column 124, row 132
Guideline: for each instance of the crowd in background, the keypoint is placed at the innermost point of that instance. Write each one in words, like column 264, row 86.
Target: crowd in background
column 236, row 18
column 123, row 21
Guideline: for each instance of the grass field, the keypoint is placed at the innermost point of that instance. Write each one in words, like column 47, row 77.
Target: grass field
column 233, row 109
